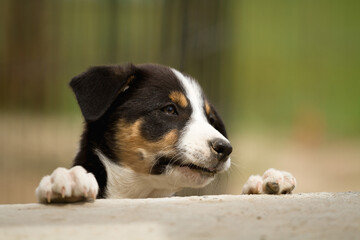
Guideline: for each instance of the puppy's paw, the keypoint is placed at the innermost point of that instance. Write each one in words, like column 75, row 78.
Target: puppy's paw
column 272, row 182
column 278, row 182
column 253, row 185
column 67, row 185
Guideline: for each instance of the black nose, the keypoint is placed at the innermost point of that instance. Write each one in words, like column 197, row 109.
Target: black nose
column 222, row 148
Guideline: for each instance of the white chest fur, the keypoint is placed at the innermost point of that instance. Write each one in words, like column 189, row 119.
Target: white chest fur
column 125, row 183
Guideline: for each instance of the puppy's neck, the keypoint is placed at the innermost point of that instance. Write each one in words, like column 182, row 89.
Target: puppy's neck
column 123, row 182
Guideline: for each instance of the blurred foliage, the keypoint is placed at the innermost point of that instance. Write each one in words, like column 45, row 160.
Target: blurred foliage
column 299, row 63
column 267, row 64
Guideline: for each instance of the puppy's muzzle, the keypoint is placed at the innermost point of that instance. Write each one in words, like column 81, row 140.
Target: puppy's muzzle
column 221, row 149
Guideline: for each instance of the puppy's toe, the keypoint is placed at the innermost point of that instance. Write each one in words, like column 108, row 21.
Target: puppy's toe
column 43, row 191
column 61, row 183
column 93, row 185
column 288, row 184
column 253, row 185
column 81, row 185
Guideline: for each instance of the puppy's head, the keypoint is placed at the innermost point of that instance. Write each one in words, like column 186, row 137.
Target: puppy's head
column 154, row 121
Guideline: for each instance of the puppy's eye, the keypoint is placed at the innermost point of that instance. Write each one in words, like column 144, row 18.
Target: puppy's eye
column 211, row 119
column 169, row 109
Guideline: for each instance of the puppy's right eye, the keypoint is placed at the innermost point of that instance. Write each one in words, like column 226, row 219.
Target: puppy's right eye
column 211, row 119
column 169, row 109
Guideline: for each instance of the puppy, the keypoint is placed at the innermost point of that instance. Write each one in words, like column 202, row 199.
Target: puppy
column 149, row 132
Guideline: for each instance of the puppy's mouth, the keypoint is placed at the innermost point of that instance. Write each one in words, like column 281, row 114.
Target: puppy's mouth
column 163, row 162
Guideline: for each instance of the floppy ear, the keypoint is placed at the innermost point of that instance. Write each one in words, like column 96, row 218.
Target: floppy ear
column 97, row 88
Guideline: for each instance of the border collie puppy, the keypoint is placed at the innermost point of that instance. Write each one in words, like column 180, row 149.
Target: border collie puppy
column 149, row 132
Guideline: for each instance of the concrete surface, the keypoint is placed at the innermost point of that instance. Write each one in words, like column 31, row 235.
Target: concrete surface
column 297, row 216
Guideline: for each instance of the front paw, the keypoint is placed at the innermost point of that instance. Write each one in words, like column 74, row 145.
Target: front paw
column 253, row 185
column 67, row 185
column 272, row 182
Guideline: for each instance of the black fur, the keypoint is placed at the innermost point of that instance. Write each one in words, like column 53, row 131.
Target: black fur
column 215, row 120
column 97, row 88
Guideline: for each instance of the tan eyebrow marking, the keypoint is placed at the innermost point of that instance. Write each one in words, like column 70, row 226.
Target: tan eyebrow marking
column 179, row 98
column 207, row 107
column 126, row 85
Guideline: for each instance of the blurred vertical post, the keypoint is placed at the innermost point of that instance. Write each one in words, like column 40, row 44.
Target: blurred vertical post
column 24, row 69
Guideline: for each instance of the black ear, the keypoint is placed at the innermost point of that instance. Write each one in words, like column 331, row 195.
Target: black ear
column 97, row 88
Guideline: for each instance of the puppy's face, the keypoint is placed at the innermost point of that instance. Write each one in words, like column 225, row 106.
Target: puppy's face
column 159, row 124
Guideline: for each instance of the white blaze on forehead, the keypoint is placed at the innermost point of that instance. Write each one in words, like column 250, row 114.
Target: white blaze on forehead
column 193, row 93
column 195, row 138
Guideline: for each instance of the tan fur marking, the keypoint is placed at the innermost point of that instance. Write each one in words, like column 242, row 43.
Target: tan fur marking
column 128, row 81
column 179, row 98
column 132, row 77
column 207, row 107
column 138, row 153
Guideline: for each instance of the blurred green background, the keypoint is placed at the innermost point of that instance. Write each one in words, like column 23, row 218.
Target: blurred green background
column 285, row 76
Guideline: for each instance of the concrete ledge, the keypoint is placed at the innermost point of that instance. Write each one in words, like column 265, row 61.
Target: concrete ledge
column 297, row 216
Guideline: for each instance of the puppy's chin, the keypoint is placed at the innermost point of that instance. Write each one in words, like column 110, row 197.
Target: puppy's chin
column 189, row 178
column 185, row 173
